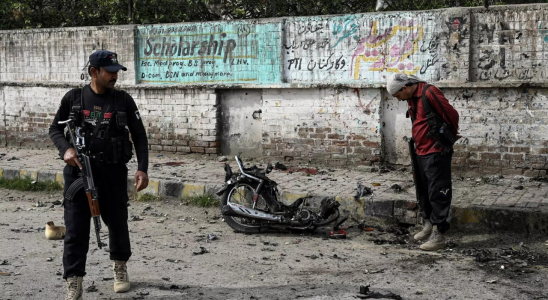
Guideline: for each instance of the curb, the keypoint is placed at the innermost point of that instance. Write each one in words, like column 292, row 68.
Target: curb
column 472, row 218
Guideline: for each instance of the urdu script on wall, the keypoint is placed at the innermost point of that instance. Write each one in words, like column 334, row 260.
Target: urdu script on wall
column 362, row 48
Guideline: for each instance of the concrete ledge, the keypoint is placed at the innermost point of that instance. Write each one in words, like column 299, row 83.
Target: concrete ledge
column 59, row 178
column 28, row 173
column 44, row 175
column 379, row 208
column 11, row 173
column 211, row 189
column 500, row 219
column 192, row 190
column 153, row 189
column 473, row 218
column 171, row 189
column 130, row 185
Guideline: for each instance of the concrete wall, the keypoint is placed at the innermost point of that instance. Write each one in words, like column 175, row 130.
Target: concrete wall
column 317, row 80
column 241, row 122
column 60, row 55
column 360, row 49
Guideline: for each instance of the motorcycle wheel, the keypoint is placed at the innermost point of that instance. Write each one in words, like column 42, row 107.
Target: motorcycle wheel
column 243, row 194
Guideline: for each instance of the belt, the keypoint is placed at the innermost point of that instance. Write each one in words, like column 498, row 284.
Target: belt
column 100, row 157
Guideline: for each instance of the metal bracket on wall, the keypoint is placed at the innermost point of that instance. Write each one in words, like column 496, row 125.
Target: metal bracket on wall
column 259, row 112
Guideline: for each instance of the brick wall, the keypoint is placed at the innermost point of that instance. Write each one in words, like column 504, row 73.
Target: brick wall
column 27, row 113
column 326, row 126
column 504, row 131
column 176, row 120
column 180, row 120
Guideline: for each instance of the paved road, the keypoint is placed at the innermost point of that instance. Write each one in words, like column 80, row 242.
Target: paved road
column 266, row 266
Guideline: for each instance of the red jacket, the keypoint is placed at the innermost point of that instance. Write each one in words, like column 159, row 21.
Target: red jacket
column 425, row 145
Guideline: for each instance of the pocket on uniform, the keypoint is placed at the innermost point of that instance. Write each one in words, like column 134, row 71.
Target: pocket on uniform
column 70, row 170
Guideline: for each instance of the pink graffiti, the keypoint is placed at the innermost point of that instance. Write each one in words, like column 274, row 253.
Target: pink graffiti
column 371, row 40
column 456, row 25
column 397, row 53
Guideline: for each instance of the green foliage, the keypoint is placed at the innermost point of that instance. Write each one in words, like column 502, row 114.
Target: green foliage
column 202, row 201
column 24, row 14
column 399, row 5
column 28, row 184
column 146, row 197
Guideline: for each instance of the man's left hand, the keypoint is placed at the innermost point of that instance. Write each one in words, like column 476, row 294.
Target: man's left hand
column 141, row 180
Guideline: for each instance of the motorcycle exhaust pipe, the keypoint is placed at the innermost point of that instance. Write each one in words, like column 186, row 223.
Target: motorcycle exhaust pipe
column 232, row 209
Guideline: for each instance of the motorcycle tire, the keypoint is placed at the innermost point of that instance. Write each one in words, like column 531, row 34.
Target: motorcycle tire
column 231, row 221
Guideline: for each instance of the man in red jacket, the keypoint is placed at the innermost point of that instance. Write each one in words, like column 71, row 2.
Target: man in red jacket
column 433, row 152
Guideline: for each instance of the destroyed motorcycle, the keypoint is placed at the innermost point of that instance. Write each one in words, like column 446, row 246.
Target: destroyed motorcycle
column 250, row 203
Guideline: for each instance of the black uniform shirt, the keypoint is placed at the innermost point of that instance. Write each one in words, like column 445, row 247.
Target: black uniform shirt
column 94, row 106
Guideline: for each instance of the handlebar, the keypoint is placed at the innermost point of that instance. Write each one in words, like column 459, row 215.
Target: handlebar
column 240, row 163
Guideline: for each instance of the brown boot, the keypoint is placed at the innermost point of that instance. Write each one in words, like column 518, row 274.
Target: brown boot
column 425, row 232
column 55, row 232
column 74, row 288
column 121, row 279
column 435, row 242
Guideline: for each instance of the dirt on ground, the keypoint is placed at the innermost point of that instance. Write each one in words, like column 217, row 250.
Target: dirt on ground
column 185, row 252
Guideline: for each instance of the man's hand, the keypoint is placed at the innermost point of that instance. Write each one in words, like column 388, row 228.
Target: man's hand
column 141, row 180
column 71, row 158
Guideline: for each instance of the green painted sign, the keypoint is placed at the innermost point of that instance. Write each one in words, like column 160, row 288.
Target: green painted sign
column 209, row 53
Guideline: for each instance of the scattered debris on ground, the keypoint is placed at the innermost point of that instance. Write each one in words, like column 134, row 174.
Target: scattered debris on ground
column 279, row 166
column 203, row 250
column 92, row 288
column 362, row 191
column 212, row 237
column 174, row 163
column 307, row 171
column 366, row 293
column 396, row 188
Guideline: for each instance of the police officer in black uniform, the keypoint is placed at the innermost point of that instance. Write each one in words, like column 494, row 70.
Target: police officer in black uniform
column 104, row 115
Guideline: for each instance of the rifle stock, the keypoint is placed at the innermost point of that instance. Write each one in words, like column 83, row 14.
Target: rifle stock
column 93, row 206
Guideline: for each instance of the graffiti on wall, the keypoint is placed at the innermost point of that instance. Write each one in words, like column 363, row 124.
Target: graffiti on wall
column 229, row 52
column 506, row 51
column 393, row 59
column 362, row 47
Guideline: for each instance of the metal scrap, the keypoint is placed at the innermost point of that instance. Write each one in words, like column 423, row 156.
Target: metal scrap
column 362, row 191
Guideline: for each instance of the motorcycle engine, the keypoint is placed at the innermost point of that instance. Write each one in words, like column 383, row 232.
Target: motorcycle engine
column 306, row 215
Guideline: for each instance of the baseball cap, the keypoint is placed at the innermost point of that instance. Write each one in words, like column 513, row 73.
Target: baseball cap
column 106, row 59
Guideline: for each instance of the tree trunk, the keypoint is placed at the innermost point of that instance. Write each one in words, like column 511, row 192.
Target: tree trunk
column 130, row 11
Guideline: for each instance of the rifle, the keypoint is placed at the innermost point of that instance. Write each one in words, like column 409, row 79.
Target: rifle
column 415, row 167
column 86, row 178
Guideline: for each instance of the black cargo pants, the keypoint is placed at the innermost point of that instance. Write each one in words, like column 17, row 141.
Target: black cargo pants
column 111, row 183
column 435, row 191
